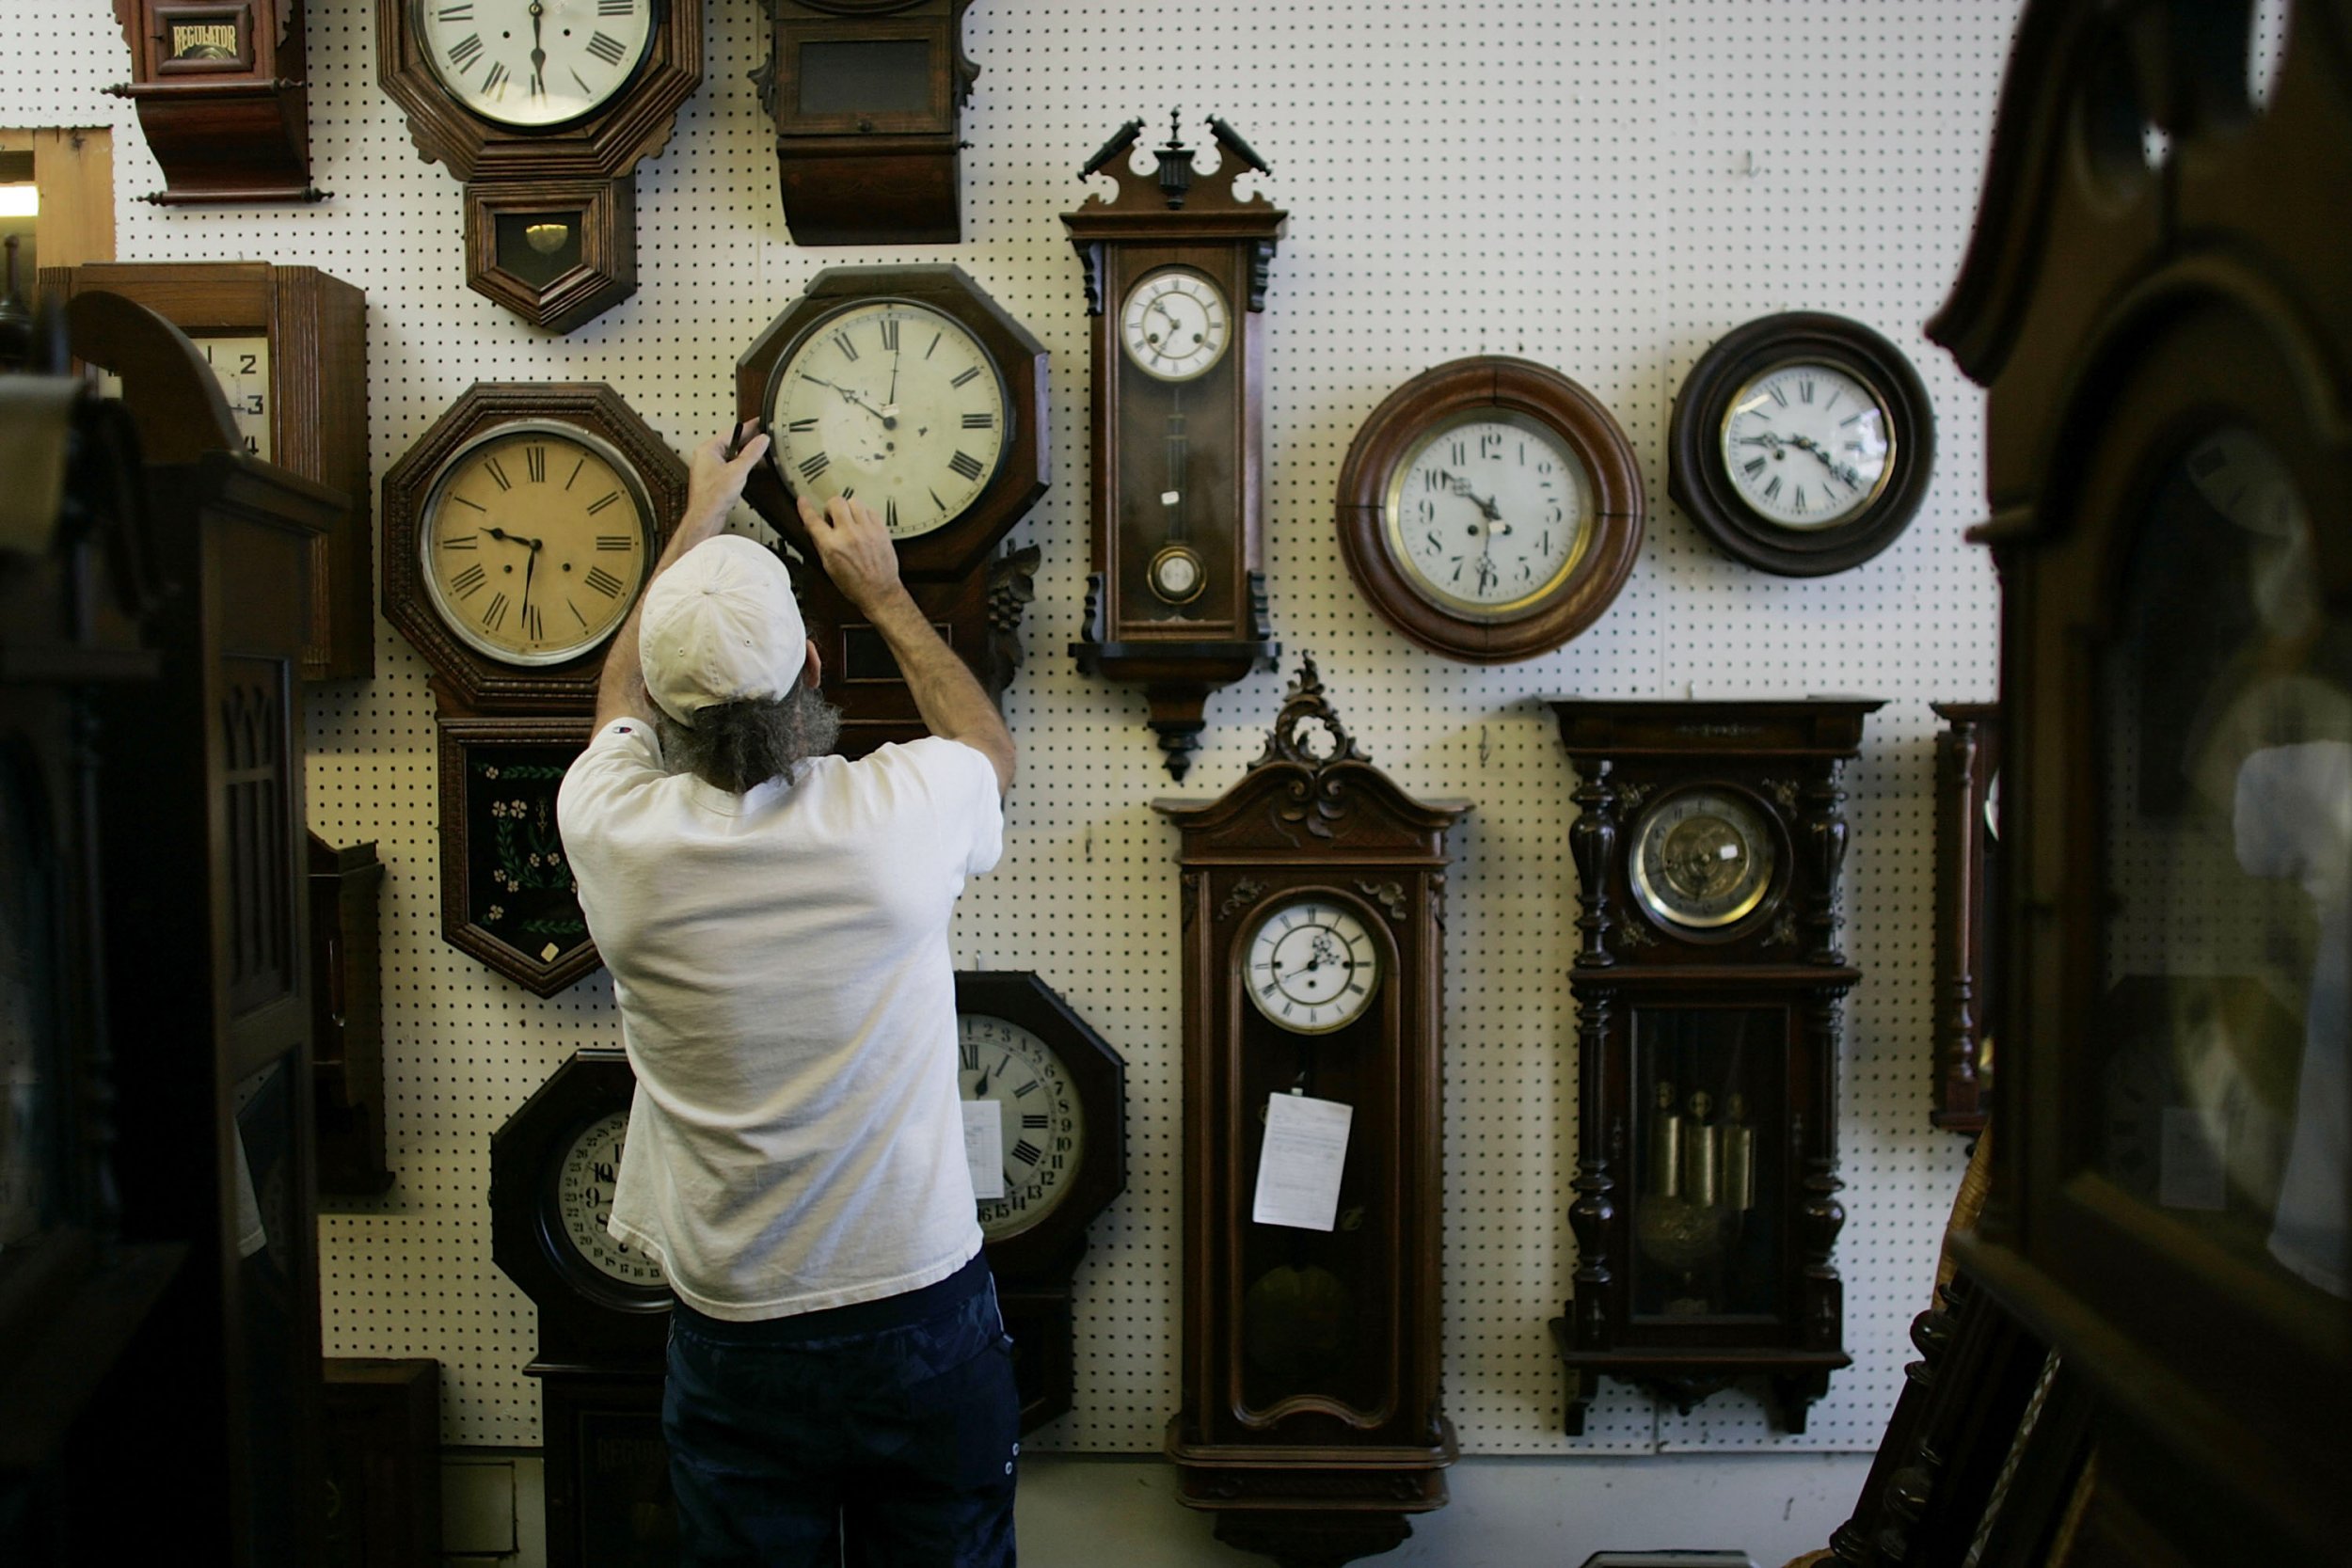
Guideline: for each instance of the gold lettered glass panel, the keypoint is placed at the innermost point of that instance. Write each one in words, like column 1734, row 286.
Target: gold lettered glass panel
column 1707, row 1169
column 2222, row 1099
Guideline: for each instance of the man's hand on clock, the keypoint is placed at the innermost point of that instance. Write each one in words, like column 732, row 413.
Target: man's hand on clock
column 854, row 549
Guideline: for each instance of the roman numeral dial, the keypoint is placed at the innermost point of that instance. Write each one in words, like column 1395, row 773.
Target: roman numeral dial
column 1808, row 446
column 535, row 539
column 1312, row 966
column 533, row 63
column 1013, row 1079
column 893, row 403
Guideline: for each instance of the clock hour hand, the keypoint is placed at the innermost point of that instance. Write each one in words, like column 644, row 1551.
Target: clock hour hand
column 500, row 534
column 890, row 422
column 1837, row 471
column 539, row 54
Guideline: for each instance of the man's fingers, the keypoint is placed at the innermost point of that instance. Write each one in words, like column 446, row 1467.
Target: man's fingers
column 811, row 513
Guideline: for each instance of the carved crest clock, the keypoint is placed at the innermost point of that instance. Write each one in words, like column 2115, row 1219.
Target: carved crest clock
column 1313, row 941
column 1060, row 1091
column 867, row 98
column 910, row 389
column 544, row 111
column 1708, row 843
column 518, row 532
column 1176, row 272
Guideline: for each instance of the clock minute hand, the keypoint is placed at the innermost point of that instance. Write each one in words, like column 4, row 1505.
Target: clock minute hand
column 1806, row 443
column 889, row 420
column 500, row 533
column 539, row 53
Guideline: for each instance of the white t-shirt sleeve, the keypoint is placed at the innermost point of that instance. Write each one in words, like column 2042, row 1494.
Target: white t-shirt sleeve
column 621, row 756
column 970, row 813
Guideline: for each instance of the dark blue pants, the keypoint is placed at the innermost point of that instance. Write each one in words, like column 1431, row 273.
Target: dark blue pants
column 884, row 1448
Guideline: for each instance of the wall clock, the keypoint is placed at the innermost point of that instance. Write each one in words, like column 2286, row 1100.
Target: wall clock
column 1967, row 871
column 912, row 390
column 223, row 97
column 1490, row 509
column 867, row 98
column 1062, row 1093
column 1313, row 889
column 604, row 1313
column 518, row 532
column 1802, row 444
column 1708, row 843
column 289, row 348
column 1176, row 272
column 545, row 114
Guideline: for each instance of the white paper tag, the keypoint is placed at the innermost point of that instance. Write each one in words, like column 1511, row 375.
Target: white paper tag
column 2190, row 1167
column 1170, row 497
column 1299, row 1167
column 984, row 1146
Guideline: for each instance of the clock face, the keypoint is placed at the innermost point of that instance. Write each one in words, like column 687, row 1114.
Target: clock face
column 532, row 63
column 535, row 540
column 1703, row 859
column 1487, row 516
column 1807, row 445
column 893, row 403
column 584, row 1196
column 239, row 362
column 1312, row 966
column 1175, row 325
column 1044, row 1129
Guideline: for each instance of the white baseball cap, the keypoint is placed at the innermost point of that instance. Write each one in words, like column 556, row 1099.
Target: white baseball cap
column 721, row 626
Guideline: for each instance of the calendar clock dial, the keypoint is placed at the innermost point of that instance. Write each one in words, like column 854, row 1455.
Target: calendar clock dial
column 534, row 541
column 1802, row 444
column 584, row 1180
column 536, row 64
column 893, row 403
column 1063, row 1096
column 1490, row 509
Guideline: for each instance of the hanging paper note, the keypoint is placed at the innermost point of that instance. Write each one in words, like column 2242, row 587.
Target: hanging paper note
column 1299, row 1165
column 984, row 1146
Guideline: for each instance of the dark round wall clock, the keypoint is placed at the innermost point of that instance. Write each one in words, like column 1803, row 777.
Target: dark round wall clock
column 1802, row 444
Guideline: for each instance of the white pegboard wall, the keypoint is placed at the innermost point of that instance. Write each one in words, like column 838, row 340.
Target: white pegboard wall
column 1599, row 186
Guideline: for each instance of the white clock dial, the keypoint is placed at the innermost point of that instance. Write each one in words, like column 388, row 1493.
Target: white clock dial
column 1489, row 516
column 893, row 404
column 1044, row 1129
column 1807, row 445
column 583, row 1195
column 239, row 362
column 533, row 62
column 1175, row 325
column 1312, row 966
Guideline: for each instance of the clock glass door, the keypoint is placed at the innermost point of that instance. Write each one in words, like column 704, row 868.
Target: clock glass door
column 2223, row 1102
column 32, row 1099
column 1178, row 438
column 1709, row 1082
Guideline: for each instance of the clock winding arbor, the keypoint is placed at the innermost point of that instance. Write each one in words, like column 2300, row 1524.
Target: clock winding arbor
column 912, row 389
column 224, row 98
column 1313, row 961
column 1176, row 274
column 546, row 122
column 867, row 98
column 1710, row 988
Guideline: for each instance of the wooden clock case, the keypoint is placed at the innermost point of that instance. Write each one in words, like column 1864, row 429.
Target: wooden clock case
column 223, row 97
column 972, row 592
column 867, row 98
column 1323, row 1460
column 1649, row 991
column 581, row 175
column 1181, row 218
column 2124, row 311
column 1967, row 890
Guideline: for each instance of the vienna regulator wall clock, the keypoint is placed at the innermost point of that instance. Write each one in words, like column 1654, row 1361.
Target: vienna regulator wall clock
column 517, row 533
column 1710, row 987
column 223, row 91
column 867, row 98
column 1060, row 1130
column 544, row 111
column 1176, row 272
column 1490, row 509
column 910, row 389
column 1802, row 444
column 1313, row 961
column 289, row 348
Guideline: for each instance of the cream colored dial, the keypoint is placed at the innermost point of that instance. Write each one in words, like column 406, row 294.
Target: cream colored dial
column 1043, row 1126
column 535, row 539
column 1312, row 966
column 583, row 1188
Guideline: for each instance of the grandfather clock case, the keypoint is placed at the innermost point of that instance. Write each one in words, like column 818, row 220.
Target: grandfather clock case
column 1709, row 988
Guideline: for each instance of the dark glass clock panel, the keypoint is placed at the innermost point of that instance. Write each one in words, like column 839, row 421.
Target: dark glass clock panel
column 1179, row 442
column 865, row 76
column 31, row 1104
column 519, row 885
column 2223, row 1101
column 1711, row 1085
column 539, row 247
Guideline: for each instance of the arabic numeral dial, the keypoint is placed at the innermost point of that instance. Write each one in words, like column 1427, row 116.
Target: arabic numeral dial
column 591, row 1168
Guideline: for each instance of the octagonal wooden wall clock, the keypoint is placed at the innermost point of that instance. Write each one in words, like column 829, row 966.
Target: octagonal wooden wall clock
column 543, row 111
column 1313, row 966
column 518, row 532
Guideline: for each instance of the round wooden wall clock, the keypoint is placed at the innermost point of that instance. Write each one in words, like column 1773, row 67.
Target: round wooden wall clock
column 1490, row 509
column 1802, row 444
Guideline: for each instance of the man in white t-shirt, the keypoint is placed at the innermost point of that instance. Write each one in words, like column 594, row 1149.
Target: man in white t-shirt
column 775, row 920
